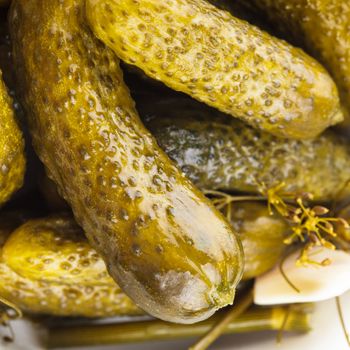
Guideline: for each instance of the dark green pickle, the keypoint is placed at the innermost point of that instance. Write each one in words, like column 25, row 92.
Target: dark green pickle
column 164, row 243
column 218, row 152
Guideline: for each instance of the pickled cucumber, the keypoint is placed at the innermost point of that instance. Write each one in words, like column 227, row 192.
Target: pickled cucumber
column 322, row 27
column 12, row 158
column 54, row 250
column 262, row 236
column 47, row 266
column 164, row 243
column 194, row 47
column 219, row 152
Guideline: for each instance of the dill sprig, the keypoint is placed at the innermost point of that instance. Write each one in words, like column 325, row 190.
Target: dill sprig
column 224, row 201
column 310, row 225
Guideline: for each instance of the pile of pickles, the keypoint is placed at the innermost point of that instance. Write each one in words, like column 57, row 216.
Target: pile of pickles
column 140, row 145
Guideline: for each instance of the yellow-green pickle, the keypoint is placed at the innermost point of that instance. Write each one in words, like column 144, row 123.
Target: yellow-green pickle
column 47, row 266
column 196, row 48
column 218, row 152
column 262, row 236
column 163, row 162
column 162, row 240
column 12, row 158
column 322, row 27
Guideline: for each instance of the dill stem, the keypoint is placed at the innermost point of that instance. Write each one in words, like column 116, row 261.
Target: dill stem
column 283, row 273
column 11, row 306
column 342, row 321
column 254, row 319
column 220, row 327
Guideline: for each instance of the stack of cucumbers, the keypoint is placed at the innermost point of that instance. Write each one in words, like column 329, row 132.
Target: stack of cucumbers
column 140, row 143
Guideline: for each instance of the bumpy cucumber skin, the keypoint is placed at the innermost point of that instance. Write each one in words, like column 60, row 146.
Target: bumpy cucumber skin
column 12, row 142
column 196, row 48
column 164, row 243
column 37, row 266
column 47, row 265
column 12, row 158
column 262, row 237
column 322, row 27
column 54, row 250
column 218, row 152
column 39, row 297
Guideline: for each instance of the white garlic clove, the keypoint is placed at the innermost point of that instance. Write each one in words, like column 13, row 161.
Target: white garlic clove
column 315, row 283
